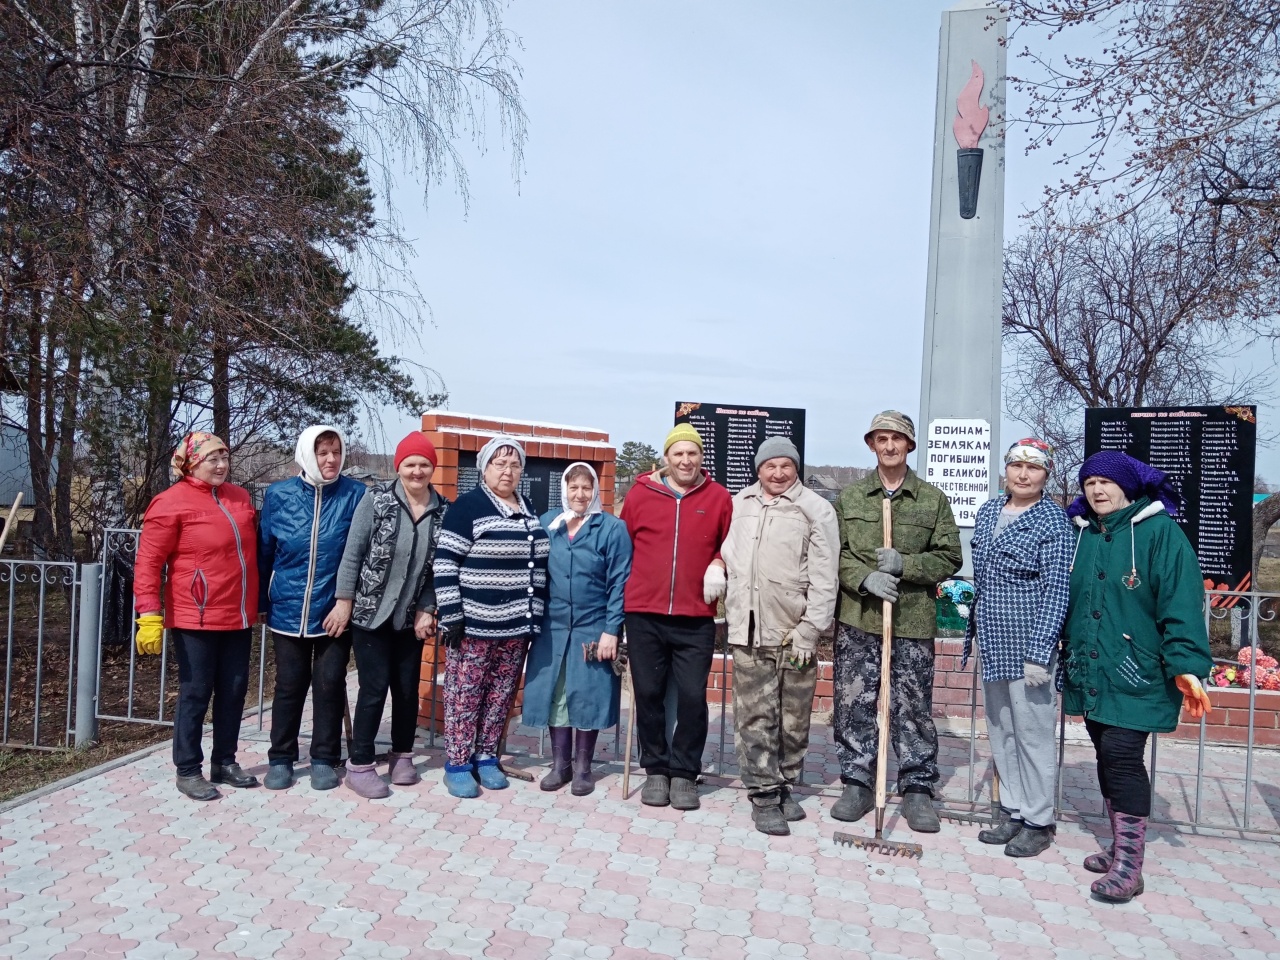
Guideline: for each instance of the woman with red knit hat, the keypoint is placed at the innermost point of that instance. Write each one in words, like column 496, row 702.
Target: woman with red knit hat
column 386, row 590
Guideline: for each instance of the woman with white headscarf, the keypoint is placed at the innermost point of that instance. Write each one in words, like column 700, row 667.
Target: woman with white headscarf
column 491, row 584
column 570, row 684
column 302, row 533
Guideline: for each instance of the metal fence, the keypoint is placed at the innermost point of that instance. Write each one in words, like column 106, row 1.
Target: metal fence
column 42, row 616
column 128, row 688
column 61, row 678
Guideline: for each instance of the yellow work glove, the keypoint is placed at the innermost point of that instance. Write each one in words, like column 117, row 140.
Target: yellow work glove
column 150, row 638
column 1194, row 700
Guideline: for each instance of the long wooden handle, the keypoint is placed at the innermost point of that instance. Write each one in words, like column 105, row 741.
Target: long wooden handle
column 631, row 733
column 12, row 519
column 886, row 652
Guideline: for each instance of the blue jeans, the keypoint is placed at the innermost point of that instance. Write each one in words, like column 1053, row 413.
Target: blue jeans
column 212, row 665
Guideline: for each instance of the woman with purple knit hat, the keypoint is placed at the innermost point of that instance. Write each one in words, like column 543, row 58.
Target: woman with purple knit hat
column 1134, row 644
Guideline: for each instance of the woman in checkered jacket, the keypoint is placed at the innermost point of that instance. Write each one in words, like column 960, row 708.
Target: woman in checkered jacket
column 1021, row 569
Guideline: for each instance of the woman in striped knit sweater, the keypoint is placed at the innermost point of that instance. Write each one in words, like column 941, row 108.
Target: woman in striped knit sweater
column 491, row 585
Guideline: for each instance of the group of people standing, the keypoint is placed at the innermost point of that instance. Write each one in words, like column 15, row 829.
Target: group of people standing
column 1110, row 610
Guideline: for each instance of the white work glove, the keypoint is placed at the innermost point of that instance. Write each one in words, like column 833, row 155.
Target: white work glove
column 802, row 649
column 889, row 560
column 714, row 583
column 882, row 585
column 1035, row 674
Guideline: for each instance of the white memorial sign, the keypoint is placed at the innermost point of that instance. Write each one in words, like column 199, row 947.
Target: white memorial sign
column 958, row 462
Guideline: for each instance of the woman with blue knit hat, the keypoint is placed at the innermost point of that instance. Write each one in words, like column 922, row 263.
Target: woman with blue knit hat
column 1021, row 568
column 491, row 585
column 1134, row 644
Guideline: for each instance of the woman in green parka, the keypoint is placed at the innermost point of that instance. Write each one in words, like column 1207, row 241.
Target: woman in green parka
column 1134, row 644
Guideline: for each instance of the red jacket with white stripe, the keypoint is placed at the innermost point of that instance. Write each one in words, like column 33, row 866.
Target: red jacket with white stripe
column 673, row 540
column 205, row 536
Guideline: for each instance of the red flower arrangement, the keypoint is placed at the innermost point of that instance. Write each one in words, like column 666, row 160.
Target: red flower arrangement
column 1239, row 674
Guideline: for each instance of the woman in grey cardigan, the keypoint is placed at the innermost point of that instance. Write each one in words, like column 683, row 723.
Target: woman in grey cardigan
column 385, row 589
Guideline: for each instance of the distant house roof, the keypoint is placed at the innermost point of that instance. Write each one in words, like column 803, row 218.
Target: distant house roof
column 824, row 486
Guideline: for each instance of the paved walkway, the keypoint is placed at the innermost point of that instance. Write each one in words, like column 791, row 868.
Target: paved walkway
column 120, row 864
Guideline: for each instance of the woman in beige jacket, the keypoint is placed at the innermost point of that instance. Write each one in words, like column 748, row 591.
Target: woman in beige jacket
column 782, row 555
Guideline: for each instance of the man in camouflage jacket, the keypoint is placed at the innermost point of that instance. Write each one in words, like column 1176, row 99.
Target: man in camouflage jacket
column 926, row 551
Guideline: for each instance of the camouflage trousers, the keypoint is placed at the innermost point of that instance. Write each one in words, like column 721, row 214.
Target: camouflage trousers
column 911, row 729
column 772, row 706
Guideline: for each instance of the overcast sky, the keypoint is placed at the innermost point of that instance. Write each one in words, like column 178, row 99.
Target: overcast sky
column 721, row 201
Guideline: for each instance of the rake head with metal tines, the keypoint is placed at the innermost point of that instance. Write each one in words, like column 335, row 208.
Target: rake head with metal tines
column 985, row 817
column 888, row 848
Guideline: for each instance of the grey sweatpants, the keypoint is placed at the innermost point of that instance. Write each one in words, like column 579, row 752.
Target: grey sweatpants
column 1020, row 723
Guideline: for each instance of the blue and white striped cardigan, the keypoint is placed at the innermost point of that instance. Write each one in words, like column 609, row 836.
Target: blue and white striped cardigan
column 491, row 568
column 1022, row 585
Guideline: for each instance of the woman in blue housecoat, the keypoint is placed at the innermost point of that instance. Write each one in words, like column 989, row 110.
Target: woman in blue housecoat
column 570, row 683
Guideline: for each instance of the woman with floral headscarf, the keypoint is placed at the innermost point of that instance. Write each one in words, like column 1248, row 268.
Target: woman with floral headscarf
column 202, row 530
column 1021, row 567
column 1134, row 644
column 570, row 683
column 491, row 584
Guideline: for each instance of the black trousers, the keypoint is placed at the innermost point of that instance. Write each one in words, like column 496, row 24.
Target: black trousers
column 212, row 665
column 318, row 664
column 1122, row 767
column 680, row 648
column 387, row 660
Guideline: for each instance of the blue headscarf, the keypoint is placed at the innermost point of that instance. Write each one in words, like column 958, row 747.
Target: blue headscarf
column 1134, row 477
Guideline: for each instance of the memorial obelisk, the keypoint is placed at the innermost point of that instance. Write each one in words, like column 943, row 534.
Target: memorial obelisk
column 959, row 422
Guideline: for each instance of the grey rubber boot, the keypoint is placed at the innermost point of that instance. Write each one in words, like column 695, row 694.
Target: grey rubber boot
column 684, row 794
column 657, row 790
column 855, row 803
column 279, row 776
column 197, row 788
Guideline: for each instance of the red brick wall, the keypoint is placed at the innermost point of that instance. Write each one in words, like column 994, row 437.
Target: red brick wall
column 953, row 693
column 552, row 441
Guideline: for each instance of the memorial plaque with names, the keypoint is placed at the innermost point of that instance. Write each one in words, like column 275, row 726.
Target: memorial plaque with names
column 731, row 434
column 540, row 481
column 1208, row 453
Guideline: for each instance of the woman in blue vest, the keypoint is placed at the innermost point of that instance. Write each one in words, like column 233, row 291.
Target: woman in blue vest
column 302, row 532
column 386, row 590
column 570, row 683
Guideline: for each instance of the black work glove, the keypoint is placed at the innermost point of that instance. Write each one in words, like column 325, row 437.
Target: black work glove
column 453, row 633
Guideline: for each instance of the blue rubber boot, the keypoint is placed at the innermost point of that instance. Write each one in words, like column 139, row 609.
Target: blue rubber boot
column 490, row 774
column 460, row 782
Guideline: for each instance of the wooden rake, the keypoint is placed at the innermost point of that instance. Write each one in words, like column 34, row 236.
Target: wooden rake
column 880, row 843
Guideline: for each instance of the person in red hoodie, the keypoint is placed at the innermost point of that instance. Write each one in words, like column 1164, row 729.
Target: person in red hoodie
column 202, row 530
column 677, row 517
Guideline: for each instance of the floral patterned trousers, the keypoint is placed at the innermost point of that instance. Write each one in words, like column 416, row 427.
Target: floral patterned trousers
column 480, row 679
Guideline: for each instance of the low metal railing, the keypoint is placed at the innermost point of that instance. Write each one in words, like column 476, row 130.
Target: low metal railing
column 41, row 623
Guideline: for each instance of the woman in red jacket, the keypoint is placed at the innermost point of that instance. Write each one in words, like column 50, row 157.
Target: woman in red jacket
column 202, row 530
